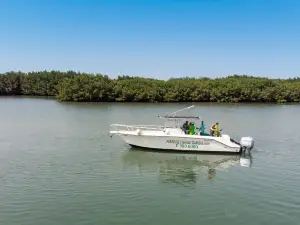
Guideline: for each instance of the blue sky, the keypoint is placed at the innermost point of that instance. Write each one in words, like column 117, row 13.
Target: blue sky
column 160, row 39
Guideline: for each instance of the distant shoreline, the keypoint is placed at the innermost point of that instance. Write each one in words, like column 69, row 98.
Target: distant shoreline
column 83, row 87
column 53, row 98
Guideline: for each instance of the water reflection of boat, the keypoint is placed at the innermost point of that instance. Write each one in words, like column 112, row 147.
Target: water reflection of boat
column 179, row 167
column 246, row 159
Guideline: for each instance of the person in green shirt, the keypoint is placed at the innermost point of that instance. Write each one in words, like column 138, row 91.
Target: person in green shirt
column 192, row 129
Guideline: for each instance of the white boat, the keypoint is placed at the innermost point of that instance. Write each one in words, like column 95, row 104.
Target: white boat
column 170, row 136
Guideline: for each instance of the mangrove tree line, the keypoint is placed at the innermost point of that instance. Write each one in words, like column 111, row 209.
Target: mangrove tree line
column 74, row 86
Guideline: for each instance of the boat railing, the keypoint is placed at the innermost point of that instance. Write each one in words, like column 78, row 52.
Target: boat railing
column 122, row 127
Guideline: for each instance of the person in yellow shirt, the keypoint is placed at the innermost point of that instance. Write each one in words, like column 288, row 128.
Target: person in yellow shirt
column 217, row 130
column 214, row 128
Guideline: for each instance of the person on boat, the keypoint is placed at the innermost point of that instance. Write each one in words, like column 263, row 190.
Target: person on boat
column 217, row 130
column 192, row 129
column 186, row 127
column 213, row 128
column 202, row 128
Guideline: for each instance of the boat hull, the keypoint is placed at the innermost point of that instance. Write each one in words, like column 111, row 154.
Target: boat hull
column 183, row 144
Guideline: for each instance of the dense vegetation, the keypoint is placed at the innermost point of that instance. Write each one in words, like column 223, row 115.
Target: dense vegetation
column 72, row 86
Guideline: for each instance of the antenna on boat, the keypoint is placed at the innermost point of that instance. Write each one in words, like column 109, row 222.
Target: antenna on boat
column 174, row 113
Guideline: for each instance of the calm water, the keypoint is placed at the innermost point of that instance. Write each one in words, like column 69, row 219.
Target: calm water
column 59, row 166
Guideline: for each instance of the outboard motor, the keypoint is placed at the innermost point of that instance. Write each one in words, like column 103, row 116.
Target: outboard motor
column 138, row 132
column 247, row 143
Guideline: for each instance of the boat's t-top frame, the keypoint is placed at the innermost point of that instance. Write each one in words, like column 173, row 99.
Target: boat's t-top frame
column 177, row 121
